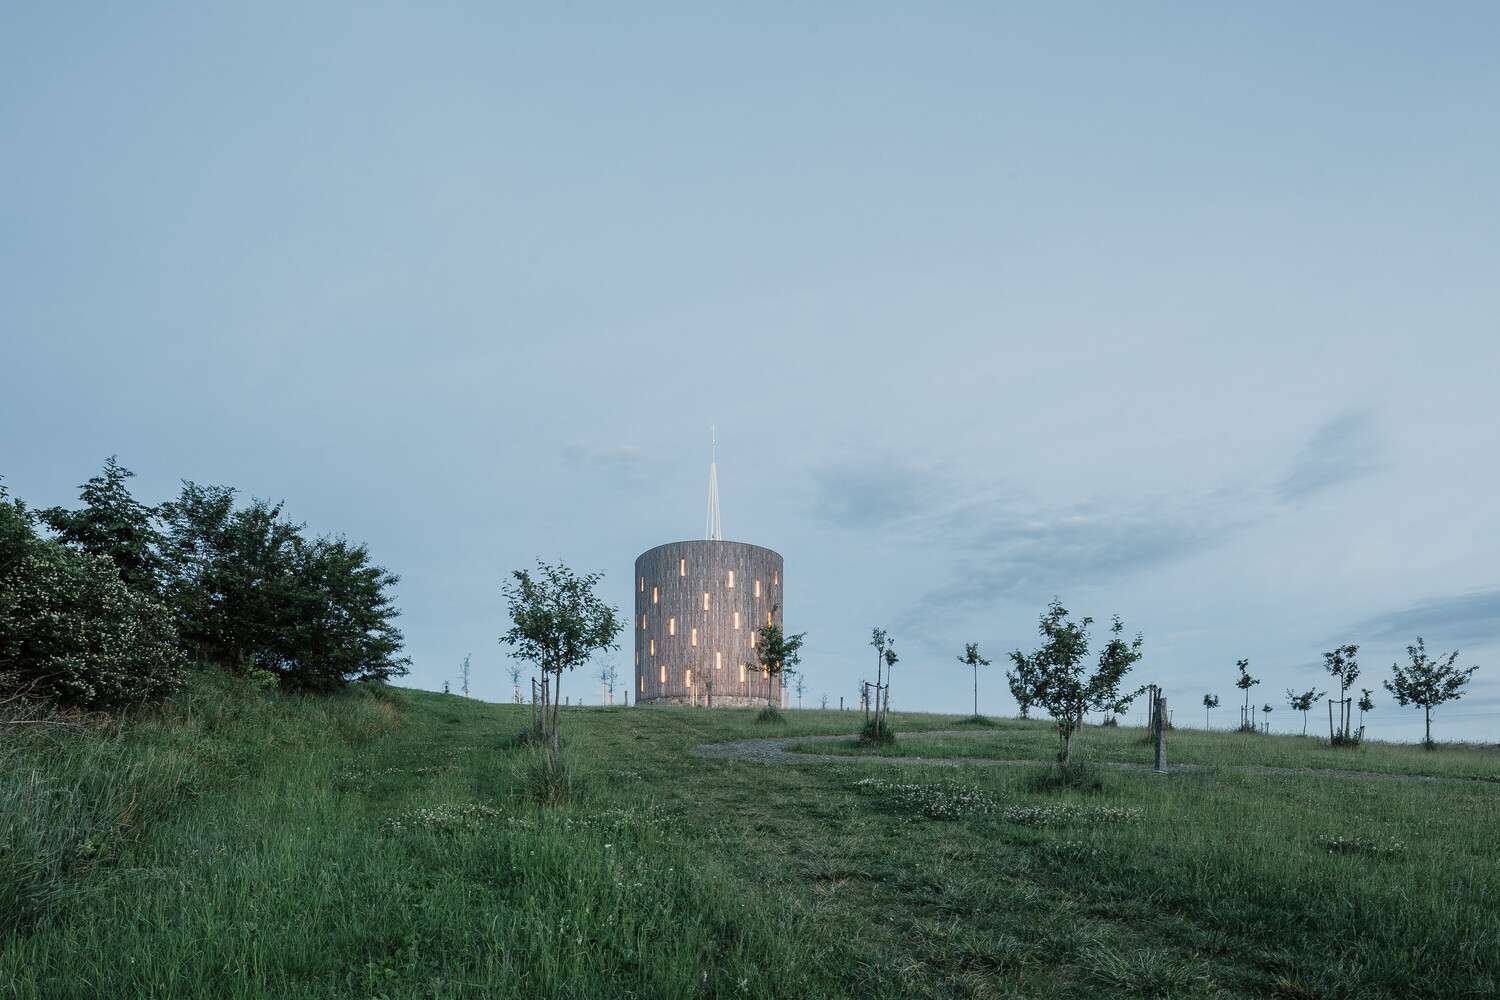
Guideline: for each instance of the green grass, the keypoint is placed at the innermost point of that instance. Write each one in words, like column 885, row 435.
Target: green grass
column 378, row 844
column 1034, row 740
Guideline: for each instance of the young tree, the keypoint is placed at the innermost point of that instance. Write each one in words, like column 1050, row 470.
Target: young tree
column 1209, row 701
column 1427, row 682
column 609, row 673
column 1022, row 682
column 1266, row 711
column 112, row 523
column 799, row 687
column 1365, row 705
column 824, row 704
column 463, row 673
column 1058, row 675
column 1341, row 664
column 775, row 651
column 1115, row 661
column 890, row 664
column 971, row 658
column 515, row 682
column 557, row 623
column 1245, row 683
column 878, row 640
column 1303, row 703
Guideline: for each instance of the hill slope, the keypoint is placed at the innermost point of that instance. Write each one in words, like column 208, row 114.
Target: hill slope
column 242, row 844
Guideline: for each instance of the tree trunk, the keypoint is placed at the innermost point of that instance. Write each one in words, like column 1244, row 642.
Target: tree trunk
column 976, row 691
column 1427, row 711
column 555, row 693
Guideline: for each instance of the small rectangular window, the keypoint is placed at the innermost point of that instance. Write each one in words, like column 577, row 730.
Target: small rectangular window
column 689, row 678
column 742, row 673
column 752, row 637
column 718, row 661
column 777, row 579
column 643, row 584
column 643, row 623
column 705, row 600
column 671, row 626
column 653, row 647
column 682, row 567
column 736, row 619
column 654, row 595
column 768, row 617
column 757, row 588
column 643, row 683
column 637, row 657
column 731, row 579
column 695, row 637
column 664, row 673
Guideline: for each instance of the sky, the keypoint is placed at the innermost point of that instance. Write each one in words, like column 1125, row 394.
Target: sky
column 1181, row 312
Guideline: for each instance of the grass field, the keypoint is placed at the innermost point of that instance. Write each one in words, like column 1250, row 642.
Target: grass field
column 374, row 844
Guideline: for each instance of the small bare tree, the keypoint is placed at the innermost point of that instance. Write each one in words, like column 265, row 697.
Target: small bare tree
column 515, row 681
column 1245, row 683
column 463, row 672
column 972, row 659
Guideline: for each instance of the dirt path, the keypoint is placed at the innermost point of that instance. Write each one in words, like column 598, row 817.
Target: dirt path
column 773, row 750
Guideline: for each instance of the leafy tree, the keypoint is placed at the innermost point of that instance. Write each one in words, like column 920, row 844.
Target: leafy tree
column 1427, row 682
column 1303, row 703
column 1115, row 661
column 112, row 523
column 890, row 664
column 972, row 659
column 878, row 640
column 1245, row 683
column 1209, row 701
column 1266, row 711
column 1365, row 705
column 557, row 623
column 1022, row 682
column 775, row 651
column 1342, row 665
column 1058, row 676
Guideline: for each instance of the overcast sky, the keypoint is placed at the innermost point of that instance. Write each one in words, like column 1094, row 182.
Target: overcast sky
column 1183, row 312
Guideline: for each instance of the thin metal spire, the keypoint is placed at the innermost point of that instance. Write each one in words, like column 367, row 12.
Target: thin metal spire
column 715, row 533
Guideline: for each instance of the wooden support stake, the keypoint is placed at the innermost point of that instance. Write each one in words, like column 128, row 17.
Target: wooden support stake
column 1161, row 736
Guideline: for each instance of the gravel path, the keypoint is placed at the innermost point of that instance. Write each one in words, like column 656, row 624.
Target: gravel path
column 773, row 750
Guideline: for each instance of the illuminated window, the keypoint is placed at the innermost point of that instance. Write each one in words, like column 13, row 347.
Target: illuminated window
column 664, row 673
column 695, row 637
column 718, row 661
column 752, row 640
column 768, row 617
column 757, row 588
column 653, row 595
column 705, row 600
column 643, row 683
column 742, row 673
column 765, row 671
column 682, row 567
column 736, row 619
column 777, row 579
column 731, row 579
column 637, row 657
column 671, row 626
column 643, row 584
column 689, row 678
column 653, row 647
column 643, row 623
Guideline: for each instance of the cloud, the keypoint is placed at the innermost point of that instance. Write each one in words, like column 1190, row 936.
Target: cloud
column 1470, row 618
column 1004, row 545
column 624, row 463
column 1345, row 448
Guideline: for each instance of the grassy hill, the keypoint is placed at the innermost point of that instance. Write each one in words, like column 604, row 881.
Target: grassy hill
column 376, row 844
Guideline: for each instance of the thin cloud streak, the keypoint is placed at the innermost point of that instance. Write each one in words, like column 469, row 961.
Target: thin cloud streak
column 1346, row 448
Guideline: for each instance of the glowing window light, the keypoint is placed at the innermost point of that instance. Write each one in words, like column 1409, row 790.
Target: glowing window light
column 757, row 588
column 643, row 623
column 654, row 595
column 643, row 584
column 695, row 637
column 768, row 617
column 777, row 580
column 765, row 671
column 653, row 647
column 742, row 673
column 671, row 626
column 637, row 657
column 705, row 600
column 664, row 673
column 643, row 683
column 731, row 579
column 752, row 637
column 689, row 678
column 682, row 567
column 736, row 619
column 718, row 660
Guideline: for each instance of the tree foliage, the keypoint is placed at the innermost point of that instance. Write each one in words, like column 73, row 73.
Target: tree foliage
column 113, row 523
column 1303, row 703
column 1059, row 681
column 1427, row 682
column 775, row 651
column 1343, row 666
column 972, row 659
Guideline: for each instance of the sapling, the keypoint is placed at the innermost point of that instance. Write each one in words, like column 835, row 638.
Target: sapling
column 971, row 658
column 1209, row 701
column 1245, row 683
column 1266, row 711
column 1022, row 680
column 1303, row 703
column 1341, row 664
column 463, row 672
column 1365, row 705
column 1428, row 682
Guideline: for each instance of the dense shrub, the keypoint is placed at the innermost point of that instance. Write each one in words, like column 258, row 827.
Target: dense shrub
column 71, row 630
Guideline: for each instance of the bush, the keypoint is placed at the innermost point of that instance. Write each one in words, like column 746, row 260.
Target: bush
column 770, row 715
column 876, row 733
column 975, row 720
column 72, row 632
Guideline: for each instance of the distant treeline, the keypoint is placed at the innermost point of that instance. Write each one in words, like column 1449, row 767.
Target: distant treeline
column 111, row 602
